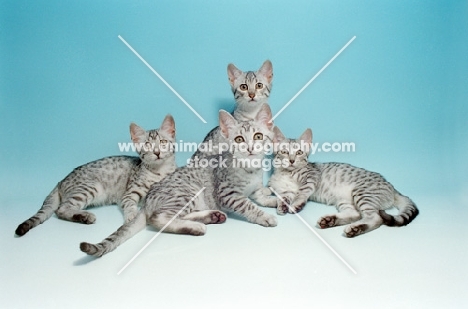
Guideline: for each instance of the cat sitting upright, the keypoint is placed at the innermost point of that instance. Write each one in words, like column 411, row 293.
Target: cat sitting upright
column 123, row 180
column 251, row 90
column 232, row 182
column 359, row 195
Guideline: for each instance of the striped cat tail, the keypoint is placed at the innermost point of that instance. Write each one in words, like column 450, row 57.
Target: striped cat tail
column 407, row 208
column 50, row 205
column 124, row 233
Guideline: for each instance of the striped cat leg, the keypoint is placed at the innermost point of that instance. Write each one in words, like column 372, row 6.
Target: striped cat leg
column 264, row 198
column 370, row 220
column 130, row 202
column 124, row 233
column 243, row 206
column 206, row 216
column 285, row 200
column 347, row 213
column 72, row 205
column 177, row 226
column 72, row 211
column 48, row 208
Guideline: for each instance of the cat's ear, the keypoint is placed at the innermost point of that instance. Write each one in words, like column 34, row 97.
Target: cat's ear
column 168, row 126
column 306, row 136
column 226, row 122
column 279, row 136
column 267, row 70
column 264, row 116
column 233, row 73
column 137, row 133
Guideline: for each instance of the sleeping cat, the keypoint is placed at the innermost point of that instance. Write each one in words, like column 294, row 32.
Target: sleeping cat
column 359, row 195
column 251, row 90
column 225, row 185
column 123, row 180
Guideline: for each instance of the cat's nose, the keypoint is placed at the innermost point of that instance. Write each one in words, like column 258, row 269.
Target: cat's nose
column 251, row 95
column 292, row 161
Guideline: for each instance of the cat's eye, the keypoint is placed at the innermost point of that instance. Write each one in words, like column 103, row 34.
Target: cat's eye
column 239, row 139
column 148, row 146
column 284, row 151
column 299, row 152
column 163, row 142
column 258, row 136
column 244, row 87
column 259, row 86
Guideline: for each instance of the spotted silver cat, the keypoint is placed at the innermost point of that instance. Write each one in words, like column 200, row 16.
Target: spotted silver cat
column 251, row 90
column 122, row 180
column 193, row 196
column 360, row 196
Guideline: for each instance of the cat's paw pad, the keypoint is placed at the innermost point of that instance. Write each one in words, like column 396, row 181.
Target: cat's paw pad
column 283, row 206
column 84, row 217
column 267, row 220
column 327, row 221
column 217, row 217
column 296, row 207
column 355, row 230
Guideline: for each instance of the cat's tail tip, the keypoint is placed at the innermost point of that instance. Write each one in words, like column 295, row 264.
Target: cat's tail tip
column 408, row 211
column 22, row 229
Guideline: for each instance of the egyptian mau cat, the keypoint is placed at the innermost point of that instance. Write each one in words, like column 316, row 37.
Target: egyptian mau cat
column 228, row 183
column 359, row 195
column 251, row 90
column 123, row 180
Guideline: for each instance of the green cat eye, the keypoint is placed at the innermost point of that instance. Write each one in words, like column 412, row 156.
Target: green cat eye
column 244, row 87
column 259, row 86
column 163, row 142
column 239, row 139
column 284, row 151
column 299, row 152
column 258, row 136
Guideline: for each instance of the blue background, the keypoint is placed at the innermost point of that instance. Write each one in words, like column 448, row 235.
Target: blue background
column 69, row 88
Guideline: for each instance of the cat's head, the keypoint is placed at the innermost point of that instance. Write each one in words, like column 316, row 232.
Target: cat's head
column 291, row 153
column 251, row 88
column 248, row 139
column 154, row 146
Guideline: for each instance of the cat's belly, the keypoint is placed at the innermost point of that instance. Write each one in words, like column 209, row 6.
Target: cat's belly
column 333, row 195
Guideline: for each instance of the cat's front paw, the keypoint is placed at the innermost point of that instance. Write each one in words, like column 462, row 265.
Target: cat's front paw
column 327, row 221
column 296, row 207
column 282, row 207
column 267, row 220
column 355, row 230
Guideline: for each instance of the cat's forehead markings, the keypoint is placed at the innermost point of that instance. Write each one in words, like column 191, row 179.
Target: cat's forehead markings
column 250, row 76
column 153, row 134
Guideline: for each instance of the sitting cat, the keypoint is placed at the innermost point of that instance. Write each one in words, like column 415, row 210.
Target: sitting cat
column 359, row 195
column 251, row 90
column 228, row 183
column 123, row 180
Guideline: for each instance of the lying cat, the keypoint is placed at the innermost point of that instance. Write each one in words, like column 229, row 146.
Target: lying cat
column 122, row 180
column 359, row 195
column 227, row 184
